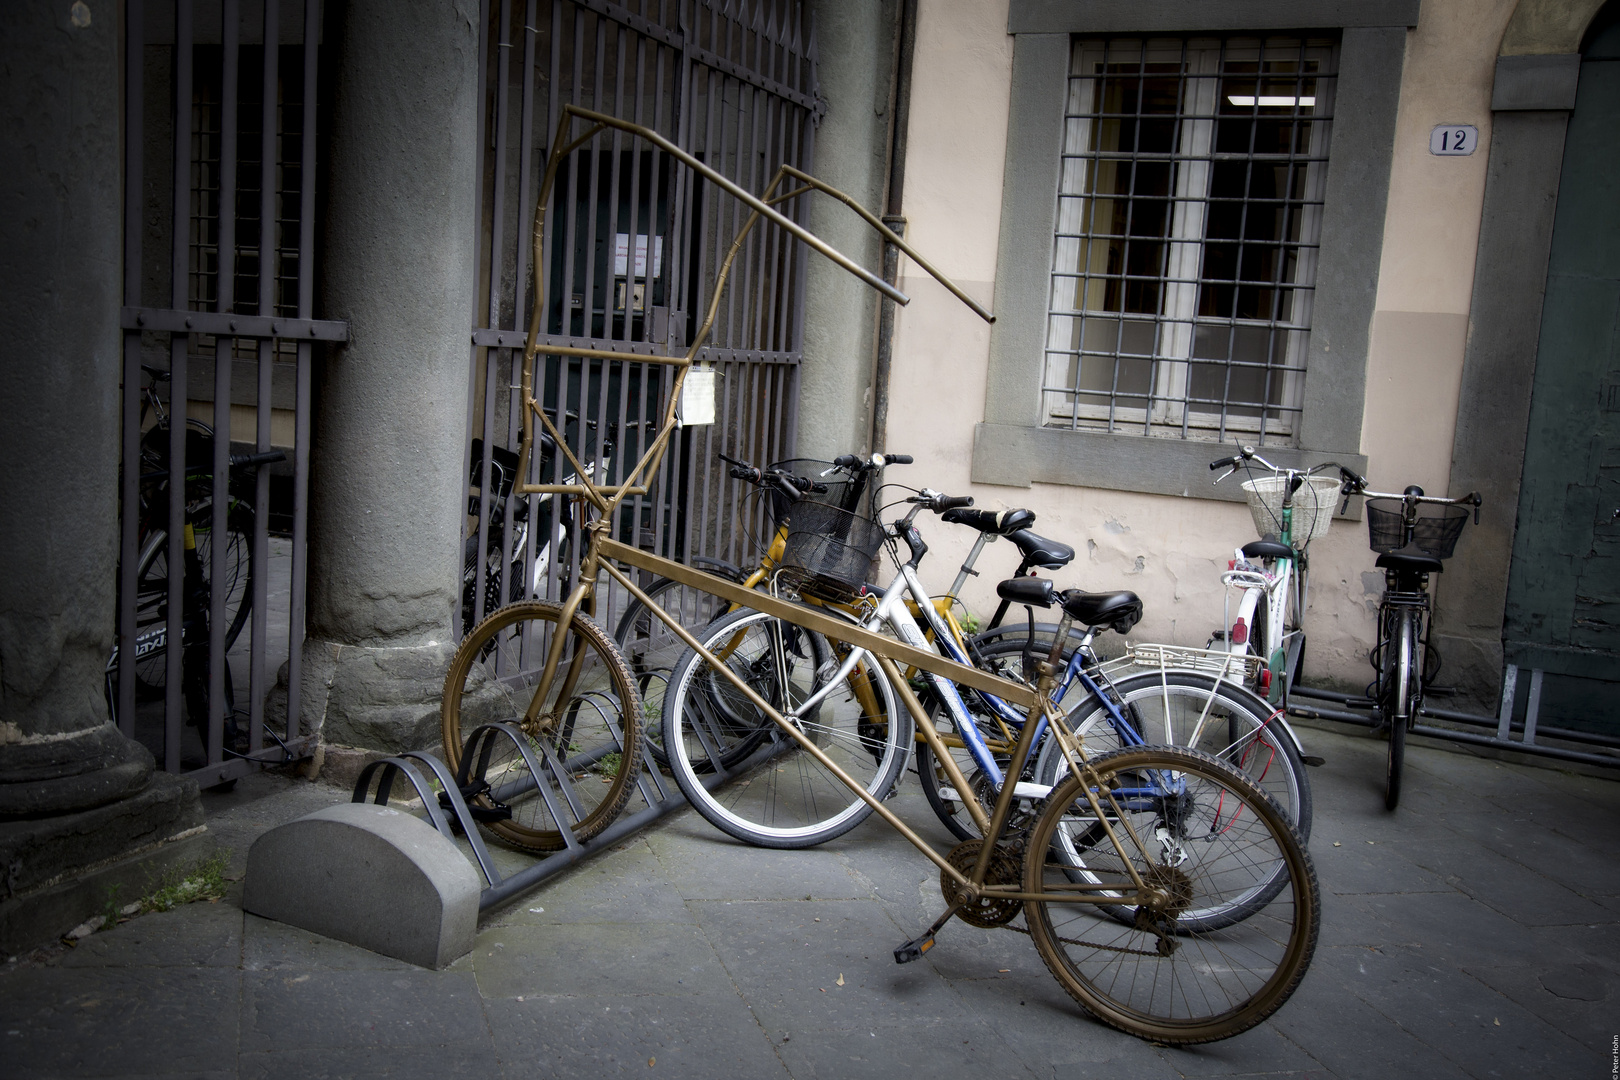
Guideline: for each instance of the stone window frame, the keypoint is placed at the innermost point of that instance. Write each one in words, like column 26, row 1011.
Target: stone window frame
column 1012, row 447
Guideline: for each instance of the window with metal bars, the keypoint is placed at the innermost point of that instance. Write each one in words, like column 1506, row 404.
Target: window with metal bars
column 1189, row 214
column 265, row 256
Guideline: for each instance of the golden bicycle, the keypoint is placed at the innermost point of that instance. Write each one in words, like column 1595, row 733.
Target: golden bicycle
column 1138, row 875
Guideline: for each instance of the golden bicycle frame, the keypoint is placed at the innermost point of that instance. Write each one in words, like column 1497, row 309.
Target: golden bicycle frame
column 602, row 550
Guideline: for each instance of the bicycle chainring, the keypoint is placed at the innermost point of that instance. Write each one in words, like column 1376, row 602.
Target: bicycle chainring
column 987, row 911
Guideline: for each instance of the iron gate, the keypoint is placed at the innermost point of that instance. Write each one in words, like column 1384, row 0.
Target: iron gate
column 220, row 124
column 636, row 244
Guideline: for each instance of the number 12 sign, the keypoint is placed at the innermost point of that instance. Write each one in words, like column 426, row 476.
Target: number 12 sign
column 1453, row 140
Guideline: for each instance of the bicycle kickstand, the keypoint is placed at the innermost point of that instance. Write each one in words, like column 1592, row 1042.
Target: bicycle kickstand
column 913, row 949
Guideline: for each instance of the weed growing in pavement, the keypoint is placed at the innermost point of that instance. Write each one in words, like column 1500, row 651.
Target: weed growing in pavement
column 204, row 880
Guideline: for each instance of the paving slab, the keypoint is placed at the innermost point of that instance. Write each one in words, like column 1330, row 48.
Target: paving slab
column 1477, row 935
column 697, row 1036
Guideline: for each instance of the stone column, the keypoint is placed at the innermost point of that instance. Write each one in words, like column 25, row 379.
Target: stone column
column 855, row 39
column 74, row 793
column 400, row 238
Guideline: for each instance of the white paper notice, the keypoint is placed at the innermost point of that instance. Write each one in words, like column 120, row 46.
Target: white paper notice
column 697, row 397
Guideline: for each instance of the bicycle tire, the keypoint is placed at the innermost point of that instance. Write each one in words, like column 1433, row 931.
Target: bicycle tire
column 651, row 648
column 778, row 796
column 1238, row 728
column 1160, row 975
column 1400, row 702
column 152, row 582
column 596, row 733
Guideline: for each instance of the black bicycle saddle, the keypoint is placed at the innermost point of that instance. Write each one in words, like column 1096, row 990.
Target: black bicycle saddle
column 999, row 522
column 1039, row 551
column 1267, row 547
column 1119, row 611
column 1411, row 559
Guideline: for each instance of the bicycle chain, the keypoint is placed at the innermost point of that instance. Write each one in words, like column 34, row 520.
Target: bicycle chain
column 1093, row 945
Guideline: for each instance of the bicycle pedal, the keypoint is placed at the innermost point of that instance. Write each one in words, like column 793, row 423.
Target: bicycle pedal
column 1314, row 761
column 486, row 814
column 913, row 949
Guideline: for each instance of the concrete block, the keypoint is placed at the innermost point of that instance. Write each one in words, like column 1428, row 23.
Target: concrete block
column 369, row 875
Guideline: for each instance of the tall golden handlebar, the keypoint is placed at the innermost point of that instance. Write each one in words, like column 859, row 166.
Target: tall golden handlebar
column 607, row 499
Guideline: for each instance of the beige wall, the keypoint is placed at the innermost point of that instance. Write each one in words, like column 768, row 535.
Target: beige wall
column 1171, row 550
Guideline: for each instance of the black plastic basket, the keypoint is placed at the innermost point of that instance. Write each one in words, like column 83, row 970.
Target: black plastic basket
column 1436, row 532
column 829, row 550
column 503, row 467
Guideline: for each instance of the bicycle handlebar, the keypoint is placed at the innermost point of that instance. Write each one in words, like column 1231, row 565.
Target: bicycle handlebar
column 1412, row 496
column 253, row 461
column 854, row 463
column 938, row 503
column 794, row 487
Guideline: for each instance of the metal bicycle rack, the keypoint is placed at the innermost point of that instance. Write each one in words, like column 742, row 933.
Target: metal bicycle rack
column 1356, row 709
column 445, row 803
column 449, row 812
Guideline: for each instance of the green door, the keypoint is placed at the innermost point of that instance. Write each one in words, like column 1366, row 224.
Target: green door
column 1563, row 609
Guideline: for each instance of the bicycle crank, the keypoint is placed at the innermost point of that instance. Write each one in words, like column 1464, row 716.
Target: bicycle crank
column 983, row 911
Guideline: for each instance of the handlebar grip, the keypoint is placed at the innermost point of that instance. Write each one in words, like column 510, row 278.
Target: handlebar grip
column 787, row 487
column 242, row 461
column 1223, row 463
column 897, row 459
column 815, row 488
column 951, row 502
column 846, row 461
column 745, row 472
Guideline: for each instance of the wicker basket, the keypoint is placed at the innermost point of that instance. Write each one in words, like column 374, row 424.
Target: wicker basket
column 829, row 550
column 1313, row 506
column 1435, row 532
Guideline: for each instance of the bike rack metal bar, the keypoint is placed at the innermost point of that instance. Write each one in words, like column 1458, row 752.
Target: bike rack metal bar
column 1503, row 723
column 661, row 800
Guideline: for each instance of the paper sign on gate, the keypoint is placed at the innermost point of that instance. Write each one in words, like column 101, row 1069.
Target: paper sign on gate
column 697, row 397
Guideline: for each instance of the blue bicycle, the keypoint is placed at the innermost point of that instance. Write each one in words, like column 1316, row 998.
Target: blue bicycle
column 796, row 800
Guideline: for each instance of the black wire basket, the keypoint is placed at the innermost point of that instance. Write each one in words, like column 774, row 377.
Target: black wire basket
column 810, row 469
column 1436, row 532
column 829, row 551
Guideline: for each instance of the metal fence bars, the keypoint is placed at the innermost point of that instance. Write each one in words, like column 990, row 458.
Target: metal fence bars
column 220, row 120
column 634, row 251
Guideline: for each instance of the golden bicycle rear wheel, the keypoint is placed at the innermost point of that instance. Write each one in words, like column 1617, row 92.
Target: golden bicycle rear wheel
column 1206, row 838
column 591, row 722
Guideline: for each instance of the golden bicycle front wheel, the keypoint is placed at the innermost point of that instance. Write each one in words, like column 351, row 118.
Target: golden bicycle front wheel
column 586, row 733
column 1215, row 950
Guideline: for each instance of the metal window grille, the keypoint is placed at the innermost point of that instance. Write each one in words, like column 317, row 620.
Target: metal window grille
column 1189, row 216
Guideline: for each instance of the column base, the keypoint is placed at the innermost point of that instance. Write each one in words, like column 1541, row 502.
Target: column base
column 91, row 767
column 374, row 698
column 55, row 872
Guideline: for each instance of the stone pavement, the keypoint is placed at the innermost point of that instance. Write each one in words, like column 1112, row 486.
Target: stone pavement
column 1474, row 933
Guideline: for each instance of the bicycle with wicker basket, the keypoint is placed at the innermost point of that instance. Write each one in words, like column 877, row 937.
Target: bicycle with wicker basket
column 1413, row 533
column 1270, row 576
